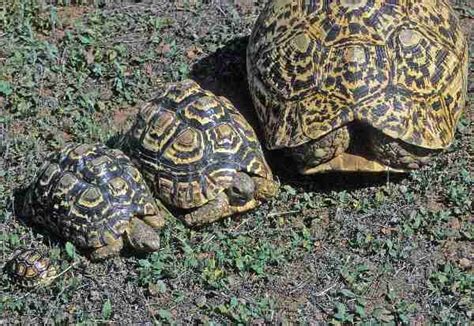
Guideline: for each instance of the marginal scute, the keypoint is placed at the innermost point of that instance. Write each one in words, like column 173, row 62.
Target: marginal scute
column 80, row 151
column 163, row 122
column 178, row 92
column 244, row 128
column 50, row 171
column 133, row 171
column 66, row 183
column 166, row 187
column 146, row 114
column 159, row 131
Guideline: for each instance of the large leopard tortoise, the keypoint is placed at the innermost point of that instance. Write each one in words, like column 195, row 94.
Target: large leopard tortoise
column 358, row 85
column 199, row 153
column 96, row 198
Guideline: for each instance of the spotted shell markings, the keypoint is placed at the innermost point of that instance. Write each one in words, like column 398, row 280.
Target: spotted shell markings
column 354, row 21
column 30, row 268
column 420, row 64
column 207, row 142
column 87, row 194
column 398, row 65
column 440, row 23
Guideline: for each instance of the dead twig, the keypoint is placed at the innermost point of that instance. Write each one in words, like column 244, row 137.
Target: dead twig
column 320, row 294
column 283, row 213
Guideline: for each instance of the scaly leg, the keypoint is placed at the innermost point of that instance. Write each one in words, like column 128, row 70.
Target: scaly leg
column 321, row 150
column 111, row 249
column 398, row 154
column 215, row 210
column 265, row 188
column 157, row 222
column 141, row 236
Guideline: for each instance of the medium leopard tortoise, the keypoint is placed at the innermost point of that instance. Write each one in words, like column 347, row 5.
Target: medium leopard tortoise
column 358, row 85
column 96, row 198
column 30, row 268
column 200, row 154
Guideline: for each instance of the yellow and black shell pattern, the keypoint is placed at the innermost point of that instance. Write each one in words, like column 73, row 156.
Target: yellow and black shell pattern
column 190, row 143
column 397, row 65
column 87, row 194
column 30, row 268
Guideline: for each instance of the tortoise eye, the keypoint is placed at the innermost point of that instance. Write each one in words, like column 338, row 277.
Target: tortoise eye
column 236, row 190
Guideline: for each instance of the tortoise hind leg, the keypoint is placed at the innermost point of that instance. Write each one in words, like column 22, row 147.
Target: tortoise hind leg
column 322, row 150
column 396, row 153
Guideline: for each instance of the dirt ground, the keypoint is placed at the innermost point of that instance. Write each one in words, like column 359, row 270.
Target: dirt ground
column 340, row 249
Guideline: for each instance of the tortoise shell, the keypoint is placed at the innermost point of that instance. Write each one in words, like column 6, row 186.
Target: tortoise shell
column 30, row 268
column 190, row 143
column 398, row 66
column 87, row 194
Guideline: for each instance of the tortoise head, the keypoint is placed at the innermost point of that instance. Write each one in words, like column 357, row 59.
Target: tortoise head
column 141, row 236
column 245, row 188
column 241, row 190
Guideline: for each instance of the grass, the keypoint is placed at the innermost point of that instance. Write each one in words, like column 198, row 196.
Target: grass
column 332, row 249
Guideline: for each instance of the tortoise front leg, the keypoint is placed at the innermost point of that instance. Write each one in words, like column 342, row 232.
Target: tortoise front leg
column 156, row 215
column 113, row 248
column 322, row 150
column 216, row 209
column 265, row 189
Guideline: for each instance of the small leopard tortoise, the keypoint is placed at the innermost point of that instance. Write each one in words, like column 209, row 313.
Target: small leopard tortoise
column 200, row 154
column 358, row 85
column 94, row 197
column 30, row 268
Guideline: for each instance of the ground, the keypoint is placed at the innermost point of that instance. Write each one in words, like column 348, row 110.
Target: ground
column 338, row 248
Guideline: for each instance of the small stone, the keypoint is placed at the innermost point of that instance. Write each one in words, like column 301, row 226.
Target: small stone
column 465, row 263
column 200, row 301
column 156, row 288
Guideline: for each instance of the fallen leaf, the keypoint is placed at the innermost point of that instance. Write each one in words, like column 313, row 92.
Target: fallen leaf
column 193, row 52
column 163, row 48
column 455, row 224
column 465, row 263
column 90, row 58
